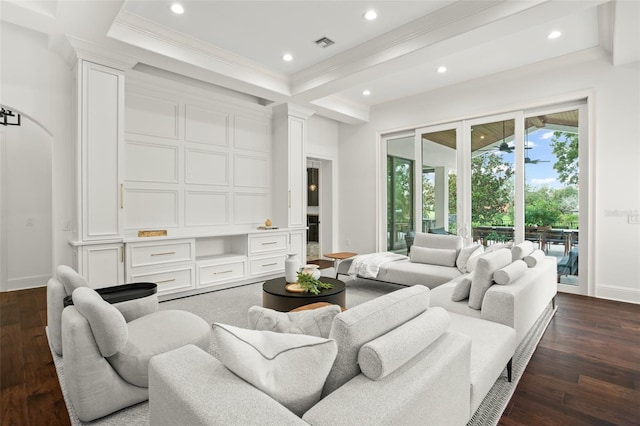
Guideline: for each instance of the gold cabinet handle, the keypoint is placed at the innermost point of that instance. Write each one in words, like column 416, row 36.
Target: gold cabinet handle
column 269, row 264
column 165, row 281
column 122, row 195
column 223, row 272
column 163, row 254
column 269, row 243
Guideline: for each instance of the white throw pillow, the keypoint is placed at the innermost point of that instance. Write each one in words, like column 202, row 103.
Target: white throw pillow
column 519, row 251
column 462, row 288
column 313, row 322
column 384, row 355
column 534, row 258
column 488, row 263
column 433, row 256
column 510, row 273
column 467, row 253
column 498, row 246
column 290, row 368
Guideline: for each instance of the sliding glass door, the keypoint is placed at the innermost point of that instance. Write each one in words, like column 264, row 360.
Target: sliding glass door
column 496, row 179
column 400, row 193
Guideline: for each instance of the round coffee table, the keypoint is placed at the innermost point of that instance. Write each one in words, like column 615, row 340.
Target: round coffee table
column 275, row 297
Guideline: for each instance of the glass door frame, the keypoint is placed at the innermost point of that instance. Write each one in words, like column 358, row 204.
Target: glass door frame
column 461, row 172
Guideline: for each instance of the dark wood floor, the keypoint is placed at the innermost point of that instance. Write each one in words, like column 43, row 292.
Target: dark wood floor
column 586, row 370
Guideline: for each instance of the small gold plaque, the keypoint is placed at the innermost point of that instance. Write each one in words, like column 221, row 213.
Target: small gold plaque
column 153, row 233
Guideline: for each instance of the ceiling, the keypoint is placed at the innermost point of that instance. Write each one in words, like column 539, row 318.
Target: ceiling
column 239, row 44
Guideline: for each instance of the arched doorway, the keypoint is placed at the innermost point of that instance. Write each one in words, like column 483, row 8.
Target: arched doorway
column 25, row 205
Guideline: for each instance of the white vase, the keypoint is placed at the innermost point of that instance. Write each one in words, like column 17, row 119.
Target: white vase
column 312, row 270
column 291, row 267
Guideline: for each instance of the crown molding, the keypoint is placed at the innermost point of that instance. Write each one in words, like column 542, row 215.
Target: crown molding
column 137, row 31
column 74, row 49
column 292, row 110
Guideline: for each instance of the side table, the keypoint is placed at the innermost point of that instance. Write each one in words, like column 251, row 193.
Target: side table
column 337, row 257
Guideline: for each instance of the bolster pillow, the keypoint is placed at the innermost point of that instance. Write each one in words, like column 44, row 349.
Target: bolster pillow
column 433, row 256
column 384, row 355
column 510, row 273
column 519, row 251
column 534, row 258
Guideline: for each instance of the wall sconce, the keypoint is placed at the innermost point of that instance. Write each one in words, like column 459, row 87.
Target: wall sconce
column 5, row 114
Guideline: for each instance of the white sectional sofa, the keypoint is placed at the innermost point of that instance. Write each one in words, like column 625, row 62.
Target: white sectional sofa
column 398, row 361
column 417, row 268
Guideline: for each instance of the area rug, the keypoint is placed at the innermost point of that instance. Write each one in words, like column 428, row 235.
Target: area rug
column 231, row 305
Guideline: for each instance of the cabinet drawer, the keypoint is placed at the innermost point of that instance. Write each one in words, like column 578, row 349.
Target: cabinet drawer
column 209, row 275
column 267, row 243
column 149, row 254
column 267, row 265
column 168, row 281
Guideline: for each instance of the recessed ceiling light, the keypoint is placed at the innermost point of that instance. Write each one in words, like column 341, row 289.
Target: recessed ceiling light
column 366, row 92
column 554, row 34
column 177, row 8
column 442, row 69
column 370, row 15
column 287, row 57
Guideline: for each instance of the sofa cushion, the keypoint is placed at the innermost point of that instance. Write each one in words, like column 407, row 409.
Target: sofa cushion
column 492, row 346
column 437, row 241
column 487, row 264
column 519, row 251
column 107, row 324
column 433, row 256
column 462, row 288
column 356, row 326
column 154, row 334
column 410, row 273
column 534, row 258
column 291, row 368
column 465, row 254
column 510, row 273
column 314, row 322
column 384, row 355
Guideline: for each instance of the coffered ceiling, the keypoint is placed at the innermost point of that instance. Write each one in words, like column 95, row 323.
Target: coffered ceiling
column 240, row 44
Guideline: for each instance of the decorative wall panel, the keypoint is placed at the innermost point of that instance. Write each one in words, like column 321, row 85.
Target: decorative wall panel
column 252, row 134
column 206, row 126
column 206, row 167
column 151, row 116
column 250, row 208
column 206, row 208
column 148, row 208
column 146, row 162
column 251, row 171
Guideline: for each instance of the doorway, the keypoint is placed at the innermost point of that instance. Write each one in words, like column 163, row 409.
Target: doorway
column 320, row 208
column 25, row 206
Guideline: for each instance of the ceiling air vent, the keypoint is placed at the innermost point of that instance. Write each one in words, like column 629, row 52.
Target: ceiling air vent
column 324, row 42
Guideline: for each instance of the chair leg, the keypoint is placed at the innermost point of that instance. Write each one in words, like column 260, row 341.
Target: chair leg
column 509, row 369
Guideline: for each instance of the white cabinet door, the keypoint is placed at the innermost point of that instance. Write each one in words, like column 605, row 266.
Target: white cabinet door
column 298, row 244
column 102, row 265
column 100, row 138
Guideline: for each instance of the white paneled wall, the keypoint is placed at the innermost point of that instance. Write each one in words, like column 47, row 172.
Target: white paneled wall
column 193, row 163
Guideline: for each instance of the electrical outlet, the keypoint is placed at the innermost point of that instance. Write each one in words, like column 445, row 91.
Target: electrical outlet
column 348, row 242
column 634, row 218
column 29, row 221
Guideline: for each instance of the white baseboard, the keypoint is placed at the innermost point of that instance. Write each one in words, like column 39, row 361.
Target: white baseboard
column 26, row 282
column 622, row 294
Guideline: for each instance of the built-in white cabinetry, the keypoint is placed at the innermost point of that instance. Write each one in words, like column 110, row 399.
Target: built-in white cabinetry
column 99, row 118
column 102, row 264
column 290, row 178
column 194, row 164
column 100, row 136
column 298, row 244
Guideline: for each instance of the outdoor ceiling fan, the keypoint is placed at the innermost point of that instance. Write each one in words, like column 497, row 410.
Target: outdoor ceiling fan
column 528, row 160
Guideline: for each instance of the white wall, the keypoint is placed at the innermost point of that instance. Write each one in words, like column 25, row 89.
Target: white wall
column 26, row 164
column 37, row 82
column 616, row 108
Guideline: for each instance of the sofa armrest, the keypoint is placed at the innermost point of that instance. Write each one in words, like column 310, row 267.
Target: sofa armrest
column 190, row 387
column 520, row 304
column 432, row 388
column 136, row 308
